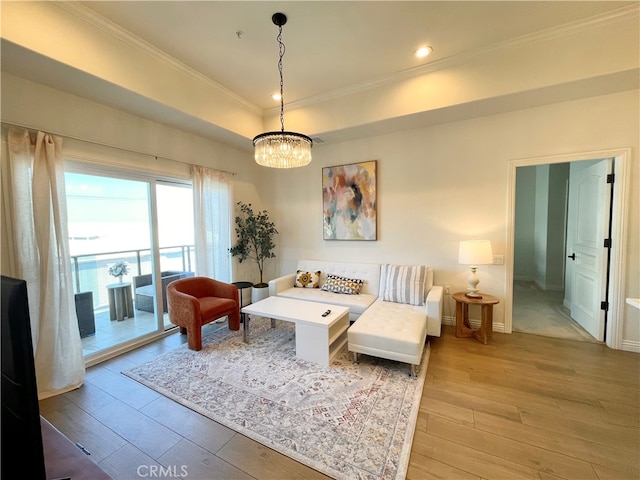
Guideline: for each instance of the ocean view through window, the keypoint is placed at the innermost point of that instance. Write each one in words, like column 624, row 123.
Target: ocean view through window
column 138, row 222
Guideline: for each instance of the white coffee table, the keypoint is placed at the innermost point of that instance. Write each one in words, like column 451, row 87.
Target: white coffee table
column 318, row 338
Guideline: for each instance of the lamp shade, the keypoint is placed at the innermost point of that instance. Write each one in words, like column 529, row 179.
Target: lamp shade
column 475, row 252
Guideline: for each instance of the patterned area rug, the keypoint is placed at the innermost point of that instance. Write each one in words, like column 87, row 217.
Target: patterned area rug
column 348, row 421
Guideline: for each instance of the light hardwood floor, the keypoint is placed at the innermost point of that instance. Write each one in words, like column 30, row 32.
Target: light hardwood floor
column 524, row 406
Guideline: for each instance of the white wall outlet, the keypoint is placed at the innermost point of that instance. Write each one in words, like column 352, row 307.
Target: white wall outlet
column 498, row 259
column 447, row 290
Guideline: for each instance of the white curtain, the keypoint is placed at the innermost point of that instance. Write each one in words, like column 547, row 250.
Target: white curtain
column 36, row 210
column 212, row 193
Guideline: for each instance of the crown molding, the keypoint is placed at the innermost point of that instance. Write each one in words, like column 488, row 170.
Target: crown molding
column 541, row 36
column 572, row 28
column 100, row 22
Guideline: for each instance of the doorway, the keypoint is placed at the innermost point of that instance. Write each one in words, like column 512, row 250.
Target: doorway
column 562, row 209
column 615, row 288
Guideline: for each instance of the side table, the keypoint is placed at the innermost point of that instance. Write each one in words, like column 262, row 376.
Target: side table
column 463, row 327
column 241, row 286
column 120, row 301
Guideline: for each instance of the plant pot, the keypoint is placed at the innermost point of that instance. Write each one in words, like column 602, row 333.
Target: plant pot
column 259, row 293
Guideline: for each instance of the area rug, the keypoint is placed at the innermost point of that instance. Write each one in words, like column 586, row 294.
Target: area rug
column 348, row 421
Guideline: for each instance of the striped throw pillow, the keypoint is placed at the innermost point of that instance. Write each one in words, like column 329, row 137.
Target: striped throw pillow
column 405, row 284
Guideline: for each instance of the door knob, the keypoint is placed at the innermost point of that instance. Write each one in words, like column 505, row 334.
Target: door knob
column 572, row 256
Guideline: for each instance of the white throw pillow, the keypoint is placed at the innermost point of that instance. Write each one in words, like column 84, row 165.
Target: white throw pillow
column 404, row 283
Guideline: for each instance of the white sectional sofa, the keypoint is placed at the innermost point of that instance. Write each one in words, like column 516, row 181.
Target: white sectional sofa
column 385, row 329
column 369, row 272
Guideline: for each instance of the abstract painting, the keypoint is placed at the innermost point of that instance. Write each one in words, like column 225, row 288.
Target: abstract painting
column 349, row 201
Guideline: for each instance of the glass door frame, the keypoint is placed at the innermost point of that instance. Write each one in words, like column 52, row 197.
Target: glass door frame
column 151, row 181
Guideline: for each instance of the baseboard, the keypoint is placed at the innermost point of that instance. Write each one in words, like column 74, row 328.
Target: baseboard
column 448, row 320
column 475, row 323
column 631, row 346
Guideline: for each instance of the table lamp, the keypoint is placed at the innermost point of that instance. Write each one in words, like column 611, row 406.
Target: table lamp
column 474, row 253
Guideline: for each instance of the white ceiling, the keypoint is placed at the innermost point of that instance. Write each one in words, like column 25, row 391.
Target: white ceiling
column 330, row 45
column 332, row 48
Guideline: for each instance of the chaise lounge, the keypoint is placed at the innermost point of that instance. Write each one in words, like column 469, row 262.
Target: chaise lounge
column 392, row 312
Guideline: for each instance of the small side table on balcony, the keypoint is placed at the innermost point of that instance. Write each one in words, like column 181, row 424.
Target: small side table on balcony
column 120, row 301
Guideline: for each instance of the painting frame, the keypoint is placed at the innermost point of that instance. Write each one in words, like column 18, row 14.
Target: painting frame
column 349, row 201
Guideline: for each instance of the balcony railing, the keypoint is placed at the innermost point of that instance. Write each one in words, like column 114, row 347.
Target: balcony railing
column 90, row 271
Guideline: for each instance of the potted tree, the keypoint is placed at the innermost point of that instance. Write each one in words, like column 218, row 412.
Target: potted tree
column 254, row 233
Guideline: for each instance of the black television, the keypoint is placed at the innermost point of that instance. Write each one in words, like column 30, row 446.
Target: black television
column 20, row 420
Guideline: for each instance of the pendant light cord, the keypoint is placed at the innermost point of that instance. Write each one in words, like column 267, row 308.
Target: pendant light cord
column 282, row 49
column 282, row 149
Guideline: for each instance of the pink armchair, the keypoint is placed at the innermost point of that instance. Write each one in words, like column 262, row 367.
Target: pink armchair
column 196, row 301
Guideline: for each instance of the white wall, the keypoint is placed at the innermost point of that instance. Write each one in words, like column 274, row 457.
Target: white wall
column 556, row 221
column 541, row 229
column 540, row 216
column 436, row 185
column 101, row 128
column 442, row 184
column 523, row 258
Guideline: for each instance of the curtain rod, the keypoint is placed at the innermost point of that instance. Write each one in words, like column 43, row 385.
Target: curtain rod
column 113, row 146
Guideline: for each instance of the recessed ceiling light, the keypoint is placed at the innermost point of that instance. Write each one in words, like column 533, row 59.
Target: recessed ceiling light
column 276, row 97
column 423, row 52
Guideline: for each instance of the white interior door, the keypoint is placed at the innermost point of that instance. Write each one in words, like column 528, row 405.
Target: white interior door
column 589, row 201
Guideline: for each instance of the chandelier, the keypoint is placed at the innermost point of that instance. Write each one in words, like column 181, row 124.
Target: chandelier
column 282, row 149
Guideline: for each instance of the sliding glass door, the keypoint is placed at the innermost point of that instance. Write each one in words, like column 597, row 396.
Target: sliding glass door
column 175, row 235
column 129, row 237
